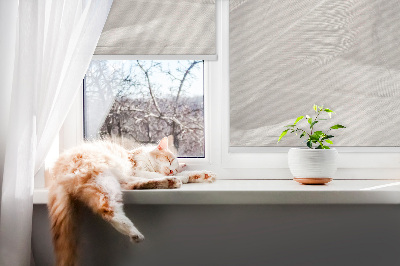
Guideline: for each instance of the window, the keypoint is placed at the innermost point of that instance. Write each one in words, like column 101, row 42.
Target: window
column 214, row 142
column 142, row 101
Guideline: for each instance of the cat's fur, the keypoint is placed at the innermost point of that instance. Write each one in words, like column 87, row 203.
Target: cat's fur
column 94, row 174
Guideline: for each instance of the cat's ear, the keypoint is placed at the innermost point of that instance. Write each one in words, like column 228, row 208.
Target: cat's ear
column 171, row 146
column 163, row 145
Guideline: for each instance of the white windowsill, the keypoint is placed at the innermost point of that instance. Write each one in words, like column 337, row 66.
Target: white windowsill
column 264, row 192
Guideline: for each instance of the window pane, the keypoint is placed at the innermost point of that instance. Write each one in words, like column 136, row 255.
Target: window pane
column 286, row 56
column 142, row 101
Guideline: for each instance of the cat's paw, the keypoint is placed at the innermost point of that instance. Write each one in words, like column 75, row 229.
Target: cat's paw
column 201, row 176
column 209, row 177
column 182, row 167
column 137, row 237
column 174, row 182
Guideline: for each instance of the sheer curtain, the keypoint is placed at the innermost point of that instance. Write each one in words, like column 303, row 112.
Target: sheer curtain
column 54, row 43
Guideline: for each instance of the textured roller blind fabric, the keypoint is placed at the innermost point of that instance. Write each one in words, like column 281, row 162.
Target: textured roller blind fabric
column 159, row 27
column 286, row 56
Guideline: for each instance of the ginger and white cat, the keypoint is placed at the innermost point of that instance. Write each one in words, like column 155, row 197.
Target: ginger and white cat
column 94, row 174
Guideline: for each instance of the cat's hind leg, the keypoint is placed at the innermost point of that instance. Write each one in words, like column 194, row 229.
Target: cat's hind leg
column 103, row 195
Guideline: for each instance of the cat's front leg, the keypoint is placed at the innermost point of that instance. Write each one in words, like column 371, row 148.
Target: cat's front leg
column 155, row 183
column 197, row 177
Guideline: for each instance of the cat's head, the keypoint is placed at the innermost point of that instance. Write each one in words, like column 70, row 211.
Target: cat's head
column 165, row 161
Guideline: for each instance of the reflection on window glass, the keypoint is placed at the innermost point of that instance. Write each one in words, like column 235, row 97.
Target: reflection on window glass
column 140, row 102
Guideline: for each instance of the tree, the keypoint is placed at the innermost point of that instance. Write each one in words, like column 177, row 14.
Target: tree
column 148, row 100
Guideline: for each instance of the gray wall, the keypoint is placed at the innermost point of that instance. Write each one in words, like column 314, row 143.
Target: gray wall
column 237, row 235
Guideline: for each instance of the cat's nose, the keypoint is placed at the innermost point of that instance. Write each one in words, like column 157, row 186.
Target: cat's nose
column 171, row 172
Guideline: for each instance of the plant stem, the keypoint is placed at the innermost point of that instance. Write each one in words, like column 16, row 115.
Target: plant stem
column 319, row 111
column 297, row 129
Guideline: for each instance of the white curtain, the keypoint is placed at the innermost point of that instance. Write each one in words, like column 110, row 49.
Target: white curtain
column 54, row 43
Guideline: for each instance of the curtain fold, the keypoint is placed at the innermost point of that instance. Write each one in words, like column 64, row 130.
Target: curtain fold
column 8, row 18
column 55, row 41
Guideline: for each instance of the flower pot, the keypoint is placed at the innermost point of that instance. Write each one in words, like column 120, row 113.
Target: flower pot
column 311, row 166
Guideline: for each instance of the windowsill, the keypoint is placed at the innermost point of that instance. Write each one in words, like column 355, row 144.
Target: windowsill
column 264, row 192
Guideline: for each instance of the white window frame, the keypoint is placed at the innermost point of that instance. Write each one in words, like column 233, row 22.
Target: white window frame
column 242, row 163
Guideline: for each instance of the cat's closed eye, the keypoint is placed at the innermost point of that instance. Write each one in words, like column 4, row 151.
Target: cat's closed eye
column 165, row 158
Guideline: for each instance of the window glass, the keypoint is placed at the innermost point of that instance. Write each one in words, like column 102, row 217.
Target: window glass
column 142, row 101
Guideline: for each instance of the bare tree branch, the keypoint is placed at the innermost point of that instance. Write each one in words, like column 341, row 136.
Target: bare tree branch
column 146, row 72
column 182, row 81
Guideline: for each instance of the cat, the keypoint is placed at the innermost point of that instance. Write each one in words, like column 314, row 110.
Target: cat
column 94, row 174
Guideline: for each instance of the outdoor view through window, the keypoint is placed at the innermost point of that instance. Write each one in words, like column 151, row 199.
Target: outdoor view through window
column 141, row 101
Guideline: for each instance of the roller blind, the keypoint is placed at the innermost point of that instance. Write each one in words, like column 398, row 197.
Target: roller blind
column 286, row 56
column 160, row 27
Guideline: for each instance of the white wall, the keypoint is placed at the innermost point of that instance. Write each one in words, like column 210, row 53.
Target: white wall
column 247, row 235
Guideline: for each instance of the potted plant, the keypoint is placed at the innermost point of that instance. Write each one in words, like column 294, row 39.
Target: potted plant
column 316, row 163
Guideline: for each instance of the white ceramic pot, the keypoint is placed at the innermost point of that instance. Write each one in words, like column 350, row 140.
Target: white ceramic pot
column 311, row 166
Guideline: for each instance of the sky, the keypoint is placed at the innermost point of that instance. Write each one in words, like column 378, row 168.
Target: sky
column 196, row 88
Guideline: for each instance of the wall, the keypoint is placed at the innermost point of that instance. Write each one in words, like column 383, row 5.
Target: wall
column 237, row 235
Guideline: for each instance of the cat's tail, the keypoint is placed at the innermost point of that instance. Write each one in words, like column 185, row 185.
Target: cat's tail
column 62, row 212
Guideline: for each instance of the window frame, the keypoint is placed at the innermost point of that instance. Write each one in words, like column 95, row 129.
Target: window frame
column 245, row 163
column 72, row 130
column 276, row 157
column 190, row 160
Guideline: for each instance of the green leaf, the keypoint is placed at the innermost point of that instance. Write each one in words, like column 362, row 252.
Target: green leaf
column 283, row 134
column 316, row 136
column 319, row 147
column 302, row 134
column 327, row 137
column 337, row 126
column 329, row 111
column 309, row 143
column 289, row 126
column 310, row 120
column 298, row 119
column 315, row 107
column 313, row 123
column 322, row 146
column 329, row 141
